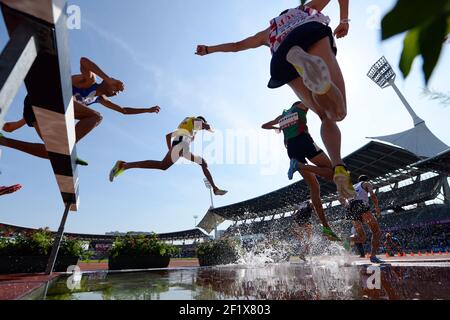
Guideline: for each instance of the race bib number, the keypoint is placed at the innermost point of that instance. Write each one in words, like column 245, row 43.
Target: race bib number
column 289, row 121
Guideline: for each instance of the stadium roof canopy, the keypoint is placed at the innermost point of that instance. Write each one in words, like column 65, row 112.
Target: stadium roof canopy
column 174, row 236
column 439, row 164
column 384, row 164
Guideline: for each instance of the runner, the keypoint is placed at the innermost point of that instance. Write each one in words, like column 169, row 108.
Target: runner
column 358, row 211
column 303, row 227
column 304, row 57
column 86, row 91
column 178, row 148
column 300, row 146
column 392, row 245
column 9, row 190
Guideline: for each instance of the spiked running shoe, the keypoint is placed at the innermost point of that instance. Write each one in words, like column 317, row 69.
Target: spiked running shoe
column 343, row 182
column 9, row 190
column 116, row 171
column 81, row 162
column 220, row 192
column 313, row 70
column 376, row 260
column 293, row 168
column 330, row 234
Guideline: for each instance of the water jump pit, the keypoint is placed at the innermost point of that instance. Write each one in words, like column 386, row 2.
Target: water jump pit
column 318, row 278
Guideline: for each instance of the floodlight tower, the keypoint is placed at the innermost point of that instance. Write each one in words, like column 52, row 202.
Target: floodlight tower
column 384, row 76
column 418, row 140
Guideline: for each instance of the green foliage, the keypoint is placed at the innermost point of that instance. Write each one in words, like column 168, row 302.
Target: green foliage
column 218, row 252
column 141, row 246
column 39, row 243
column 427, row 25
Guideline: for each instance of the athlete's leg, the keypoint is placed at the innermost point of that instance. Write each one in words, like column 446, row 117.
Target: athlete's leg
column 322, row 168
column 376, row 233
column 34, row 149
column 314, row 188
column 88, row 120
column 200, row 161
column 164, row 164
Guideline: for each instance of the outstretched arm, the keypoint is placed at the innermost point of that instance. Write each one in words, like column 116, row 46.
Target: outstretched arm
column 255, row 41
column 127, row 111
column 13, row 126
column 88, row 72
column 271, row 124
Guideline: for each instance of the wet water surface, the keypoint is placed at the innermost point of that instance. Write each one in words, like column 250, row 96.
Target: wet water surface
column 288, row 281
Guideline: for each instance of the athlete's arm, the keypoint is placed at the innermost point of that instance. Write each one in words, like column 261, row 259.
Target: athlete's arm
column 13, row 126
column 271, row 124
column 343, row 27
column 127, row 111
column 169, row 140
column 318, row 5
column 258, row 40
column 368, row 187
column 88, row 72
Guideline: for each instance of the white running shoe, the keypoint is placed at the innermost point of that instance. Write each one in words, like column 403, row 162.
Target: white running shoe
column 220, row 192
column 314, row 71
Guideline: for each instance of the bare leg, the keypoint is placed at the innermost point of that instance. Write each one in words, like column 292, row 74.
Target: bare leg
column 34, row 149
column 322, row 168
column 88, row 120
column 329, row 114
column 361, row 235
column 189, row 156
column 376, row 233
column 165, row 164
column 314, row 188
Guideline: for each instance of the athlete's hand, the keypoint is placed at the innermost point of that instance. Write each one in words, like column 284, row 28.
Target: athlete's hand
column 342, row 30
column 202, row 50
column 155, row 109
column 8, row 127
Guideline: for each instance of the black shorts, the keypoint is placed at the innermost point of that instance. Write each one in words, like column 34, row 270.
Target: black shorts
column 28, row 113
column 303, row 215
column 303, row 147
column 356, row 210
column 305, row 36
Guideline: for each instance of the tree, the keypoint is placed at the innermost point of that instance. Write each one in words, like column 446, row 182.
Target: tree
column 427, row 25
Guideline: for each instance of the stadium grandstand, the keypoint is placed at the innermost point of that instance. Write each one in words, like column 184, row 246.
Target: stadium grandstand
column 413, row 191
column 101, row 244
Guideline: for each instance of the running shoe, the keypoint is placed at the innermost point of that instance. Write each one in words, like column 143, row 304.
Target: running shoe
column 220, row 192
column 330, row 234
column 313, row 70
column 116, row 171
column 81, row 162
column 343, row 182
column 9, row 190
column 293, row 168
column 376, row 260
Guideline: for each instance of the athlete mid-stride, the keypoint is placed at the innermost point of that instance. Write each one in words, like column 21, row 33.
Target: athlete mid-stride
column 86, row 91
column 358, row 211
column 304, row 57
column 300, row 146
column 178, row 143
column 8, row 190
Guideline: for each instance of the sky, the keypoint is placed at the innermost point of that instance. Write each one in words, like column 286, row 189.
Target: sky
column 150, row 46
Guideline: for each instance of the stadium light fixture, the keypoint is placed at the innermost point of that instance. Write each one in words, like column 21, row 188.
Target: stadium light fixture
column 384, row 76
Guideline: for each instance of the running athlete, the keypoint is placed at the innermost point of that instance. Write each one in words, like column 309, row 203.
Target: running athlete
column 304, row 57
column 392, row 245
column 300, row 146
column 179, row 147
column 86, row 91
column 10, row 189
column 303, row 227
column 358, row 211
